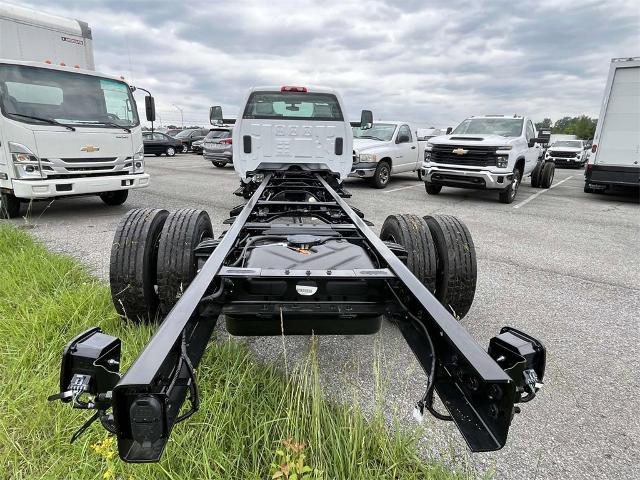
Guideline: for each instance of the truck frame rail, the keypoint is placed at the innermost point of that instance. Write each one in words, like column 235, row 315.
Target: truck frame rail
column 479, row 389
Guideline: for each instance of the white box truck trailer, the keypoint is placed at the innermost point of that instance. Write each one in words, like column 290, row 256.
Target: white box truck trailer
column 65, row 130
column 615, row 153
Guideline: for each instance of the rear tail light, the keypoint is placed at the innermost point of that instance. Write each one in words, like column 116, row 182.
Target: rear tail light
column 594, row 147
column 588, row 168
column 226, row 141
column 289, row 88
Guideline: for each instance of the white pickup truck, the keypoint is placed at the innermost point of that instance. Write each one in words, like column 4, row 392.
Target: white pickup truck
column 570, row 153
column 384, row 149
column 489, row 152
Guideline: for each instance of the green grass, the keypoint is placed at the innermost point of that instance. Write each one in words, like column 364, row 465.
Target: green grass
column 247, row 407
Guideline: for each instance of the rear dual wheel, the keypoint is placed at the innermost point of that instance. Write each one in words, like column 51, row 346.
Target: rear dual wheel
column 153, row 261
column 440, row 253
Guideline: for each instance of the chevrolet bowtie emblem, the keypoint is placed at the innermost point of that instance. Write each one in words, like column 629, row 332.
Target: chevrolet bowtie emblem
column 89, row 148
column 459, row 151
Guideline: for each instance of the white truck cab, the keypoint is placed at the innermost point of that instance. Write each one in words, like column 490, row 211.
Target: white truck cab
column 66, row 131
column 493, row 152
column 291, row 127
column 386, row 148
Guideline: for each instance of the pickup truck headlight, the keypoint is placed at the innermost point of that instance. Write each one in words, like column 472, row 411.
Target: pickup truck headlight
column 368, row 157
column 427, row 155
column 502, row 161
column 138, row 160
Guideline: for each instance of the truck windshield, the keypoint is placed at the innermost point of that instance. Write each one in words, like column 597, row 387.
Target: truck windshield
column 293, row 106
column 379, row 131
column 66, row 97
column 568, row 143
column 506, row 127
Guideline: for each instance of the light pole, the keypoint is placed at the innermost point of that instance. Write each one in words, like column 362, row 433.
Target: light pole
column 181, row 115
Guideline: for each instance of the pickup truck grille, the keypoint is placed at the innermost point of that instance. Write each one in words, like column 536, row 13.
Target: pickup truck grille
column 474, row 156
column 563, row 154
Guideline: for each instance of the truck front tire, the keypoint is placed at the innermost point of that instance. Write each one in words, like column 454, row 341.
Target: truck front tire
column 132, row 272
column 508, row 195
column 117, row 197
column 177, row 265
column 9, row 206
column 382, row 175
column 432, row 189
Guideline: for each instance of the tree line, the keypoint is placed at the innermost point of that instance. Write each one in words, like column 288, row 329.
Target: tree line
column 583, row 127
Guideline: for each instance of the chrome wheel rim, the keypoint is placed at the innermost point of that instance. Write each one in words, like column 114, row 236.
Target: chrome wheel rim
column 384, row 175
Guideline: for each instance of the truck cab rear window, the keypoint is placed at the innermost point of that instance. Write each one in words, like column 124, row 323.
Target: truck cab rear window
column 293, row 106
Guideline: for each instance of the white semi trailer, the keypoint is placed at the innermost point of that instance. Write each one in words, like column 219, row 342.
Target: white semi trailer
column 65, row 130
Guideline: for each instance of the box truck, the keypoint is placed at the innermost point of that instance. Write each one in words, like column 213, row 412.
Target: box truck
column 65, row 130
column 615, row 153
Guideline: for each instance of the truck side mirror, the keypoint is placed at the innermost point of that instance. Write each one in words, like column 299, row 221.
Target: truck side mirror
column 404, row 138
column 215, row 115
column 150, row 108
column 449, row 130
column 366, row 119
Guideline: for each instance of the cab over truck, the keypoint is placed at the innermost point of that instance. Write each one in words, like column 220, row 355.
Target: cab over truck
column 492, row 152
column 295, row 259
column 384, row 149
column 65, row 130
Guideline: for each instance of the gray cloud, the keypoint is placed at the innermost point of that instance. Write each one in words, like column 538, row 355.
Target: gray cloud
column 430, row 63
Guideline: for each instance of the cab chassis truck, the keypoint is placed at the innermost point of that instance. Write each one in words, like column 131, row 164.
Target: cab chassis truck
column 296, row 259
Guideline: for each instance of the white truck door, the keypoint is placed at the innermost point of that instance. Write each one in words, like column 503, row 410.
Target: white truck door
column 531, row 156
column 407, row 151
column 619, row 142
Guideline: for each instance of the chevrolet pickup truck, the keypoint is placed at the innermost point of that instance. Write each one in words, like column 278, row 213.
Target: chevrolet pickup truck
column 384, row 149
column 570, row 153
column 493, row 152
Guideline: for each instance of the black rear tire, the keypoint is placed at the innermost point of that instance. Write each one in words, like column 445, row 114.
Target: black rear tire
column 412, row 232
column 535, row 175
column 382, row 175
column 548, row 172
column 177, row 264
column 132, row 273
column 218, row 164
column 117, row 197
column 9, row 206
column 432, row 189
column 457, row 270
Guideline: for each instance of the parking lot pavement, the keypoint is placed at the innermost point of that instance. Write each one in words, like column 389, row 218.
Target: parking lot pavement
column 558, row 263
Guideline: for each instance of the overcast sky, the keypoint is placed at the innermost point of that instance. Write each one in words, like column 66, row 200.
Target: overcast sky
column 414, row 60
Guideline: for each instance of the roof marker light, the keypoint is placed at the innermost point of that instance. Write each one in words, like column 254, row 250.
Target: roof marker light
column 47, row 62
column 62, row 64
column 76, row 66
column 289, row 88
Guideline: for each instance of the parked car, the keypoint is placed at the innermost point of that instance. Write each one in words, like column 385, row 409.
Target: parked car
column 615, row 153
column 172, row 132
column 196, row 147
column 188, row 136
column 159, row 143
column 493, row 152
column 218, row 147
column 384, row 149
column 570, row 153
